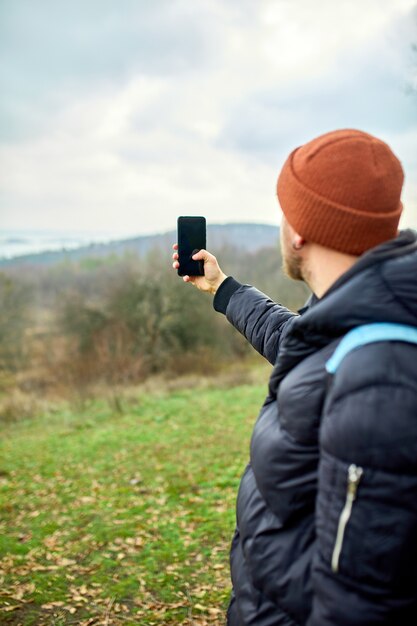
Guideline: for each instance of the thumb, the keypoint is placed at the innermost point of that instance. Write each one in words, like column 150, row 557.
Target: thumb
column 202, row 255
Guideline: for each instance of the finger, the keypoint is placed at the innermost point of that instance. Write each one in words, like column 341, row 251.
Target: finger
column 186, row 279
column 175, row 265
column 175, row 256
column 175, row 246
column 202, row 255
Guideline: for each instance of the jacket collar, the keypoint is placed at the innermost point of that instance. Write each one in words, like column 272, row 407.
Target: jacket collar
column 326, row 319
column 404, row 243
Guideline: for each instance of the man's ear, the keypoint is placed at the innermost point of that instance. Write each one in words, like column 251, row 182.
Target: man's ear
column 298, row 242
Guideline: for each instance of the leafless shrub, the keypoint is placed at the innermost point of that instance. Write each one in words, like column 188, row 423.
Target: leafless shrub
column 111, row 324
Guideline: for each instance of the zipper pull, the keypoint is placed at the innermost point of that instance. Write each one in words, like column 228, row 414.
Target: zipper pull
column 353, row 479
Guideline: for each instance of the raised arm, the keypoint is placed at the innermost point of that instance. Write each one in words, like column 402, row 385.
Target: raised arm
column 251, row 312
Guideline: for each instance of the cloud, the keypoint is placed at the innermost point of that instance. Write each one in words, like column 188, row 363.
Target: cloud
column 52, row 51
column 365, row 85
column 131, row 113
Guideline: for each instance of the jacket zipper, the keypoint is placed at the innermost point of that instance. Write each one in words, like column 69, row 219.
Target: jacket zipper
column 353, row 479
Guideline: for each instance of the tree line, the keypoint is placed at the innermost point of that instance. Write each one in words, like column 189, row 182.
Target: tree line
column 116, row 321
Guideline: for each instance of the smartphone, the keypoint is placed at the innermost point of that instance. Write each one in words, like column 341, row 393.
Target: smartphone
column 191, row 239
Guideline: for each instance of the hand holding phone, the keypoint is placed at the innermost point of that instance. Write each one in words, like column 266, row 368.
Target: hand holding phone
column 211, row 275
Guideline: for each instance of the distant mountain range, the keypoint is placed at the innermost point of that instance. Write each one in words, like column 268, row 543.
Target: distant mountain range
column 250, row 237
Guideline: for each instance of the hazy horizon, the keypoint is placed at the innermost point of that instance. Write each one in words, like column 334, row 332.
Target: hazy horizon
column 20, row 242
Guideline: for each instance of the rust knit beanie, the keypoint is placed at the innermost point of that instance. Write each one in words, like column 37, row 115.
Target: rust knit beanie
column 342, row 190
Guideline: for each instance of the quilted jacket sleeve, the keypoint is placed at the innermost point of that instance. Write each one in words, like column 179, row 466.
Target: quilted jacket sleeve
column 365, row 565
column 257, row 317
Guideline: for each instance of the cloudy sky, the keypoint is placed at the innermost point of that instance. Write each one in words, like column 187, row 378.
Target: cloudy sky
column 120, row 115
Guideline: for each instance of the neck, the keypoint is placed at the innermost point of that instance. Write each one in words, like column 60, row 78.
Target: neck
column 323, row 267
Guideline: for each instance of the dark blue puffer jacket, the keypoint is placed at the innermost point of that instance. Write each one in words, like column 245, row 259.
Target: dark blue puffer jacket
column 305, row 551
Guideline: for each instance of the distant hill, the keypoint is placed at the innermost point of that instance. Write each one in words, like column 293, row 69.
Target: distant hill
column 250, row 237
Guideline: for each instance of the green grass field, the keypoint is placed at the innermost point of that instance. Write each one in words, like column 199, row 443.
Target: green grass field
column 123, row 519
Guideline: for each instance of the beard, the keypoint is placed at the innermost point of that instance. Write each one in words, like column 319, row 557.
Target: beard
column 291, row 264
column 291, row 259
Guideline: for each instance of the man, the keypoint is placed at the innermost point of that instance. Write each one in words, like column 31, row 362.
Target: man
column 327, row 508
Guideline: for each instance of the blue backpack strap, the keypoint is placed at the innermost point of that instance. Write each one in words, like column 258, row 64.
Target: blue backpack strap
column 370, row 333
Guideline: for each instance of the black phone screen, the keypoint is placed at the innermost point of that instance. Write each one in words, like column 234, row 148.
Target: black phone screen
column 191, row 238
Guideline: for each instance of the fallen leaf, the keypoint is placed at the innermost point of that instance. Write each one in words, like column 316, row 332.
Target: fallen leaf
column 11, row 607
